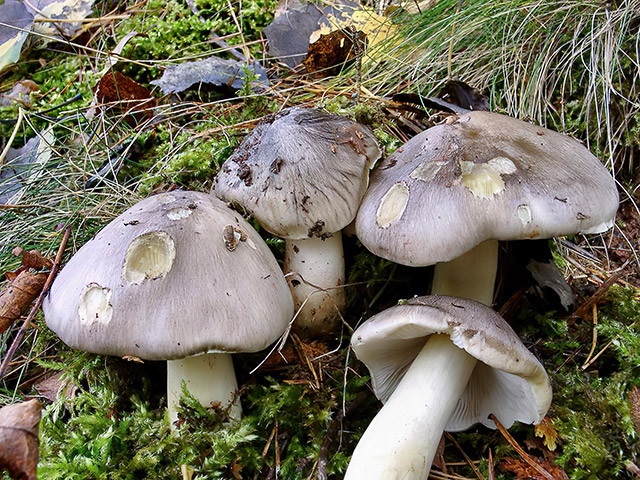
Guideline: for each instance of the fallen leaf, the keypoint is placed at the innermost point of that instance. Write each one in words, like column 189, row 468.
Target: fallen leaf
column 23, row 166
column 549, row 434
column 292, row 33
column 32, row 259
column 19, row 439
column 53, row 387
column 17, row 297
column 524, row 471
column 351, row 14
column 329, row 54
column 69, row 12
column 633, row 468
column 24, row 288
column 288, row 35
column 236, row 469
column 463, row 95
column 17, row 21
column 212, row 70
column 132, row 358
column 125, row 96
column 20, row 93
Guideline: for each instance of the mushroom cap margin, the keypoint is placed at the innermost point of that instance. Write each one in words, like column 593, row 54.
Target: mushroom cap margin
column 507, row 381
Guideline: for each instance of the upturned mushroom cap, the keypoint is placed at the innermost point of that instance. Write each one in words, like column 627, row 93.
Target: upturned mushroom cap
column 175, row 275
column 483, row 176
column 507, row 381
column 302, row 174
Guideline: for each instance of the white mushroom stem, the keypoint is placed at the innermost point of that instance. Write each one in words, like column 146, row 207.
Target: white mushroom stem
column 472, row 275
column 402, row 439
column 210, row 378
column 315, row 272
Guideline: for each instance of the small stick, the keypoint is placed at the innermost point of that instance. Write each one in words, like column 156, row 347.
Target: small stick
column 466, row 457
column 584, row 309
column 16, row 341
column 492, row 475
column 525, row 456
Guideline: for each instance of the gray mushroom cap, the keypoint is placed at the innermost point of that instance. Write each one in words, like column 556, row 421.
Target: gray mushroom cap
column 175, row 275
column 301, row 175
column 507, row 381
column 483, row 176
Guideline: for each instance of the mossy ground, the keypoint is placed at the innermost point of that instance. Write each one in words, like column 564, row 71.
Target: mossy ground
column 303, row 421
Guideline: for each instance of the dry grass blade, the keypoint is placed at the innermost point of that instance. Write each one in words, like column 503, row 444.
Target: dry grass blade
column 466, row 457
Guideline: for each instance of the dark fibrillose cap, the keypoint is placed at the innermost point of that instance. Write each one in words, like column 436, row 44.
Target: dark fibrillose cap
column 301, row 175
column 175, row 275
column 483, row 176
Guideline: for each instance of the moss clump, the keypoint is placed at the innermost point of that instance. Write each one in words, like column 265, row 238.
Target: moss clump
column 591, row 408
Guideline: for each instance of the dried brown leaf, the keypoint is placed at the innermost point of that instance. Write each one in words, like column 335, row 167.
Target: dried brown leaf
column 236, row 469
column 17, row 297
column 19, row 439
column 125, row 95
column 327, row 55
column 53, row 387
column 524, row 471
column 32, row 259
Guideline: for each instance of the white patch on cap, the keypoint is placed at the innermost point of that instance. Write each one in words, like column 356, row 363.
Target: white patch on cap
column 179, row 213
column 149, row 256
column 524, row 214
column 165, row 198
column 94, row 306
column 485, row 179
column 392, row 205
column 426, row 171
column 503, row 165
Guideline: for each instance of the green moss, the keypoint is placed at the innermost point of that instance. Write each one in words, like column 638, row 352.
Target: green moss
column 591, row 408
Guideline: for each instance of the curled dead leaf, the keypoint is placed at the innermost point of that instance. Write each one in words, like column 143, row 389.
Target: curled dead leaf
column 17, row 297
column 132, row 358
column 124, row 95
column 20, row 93
column 54, row 386
column 19, row 439
column 32, row 259
column 332, row 51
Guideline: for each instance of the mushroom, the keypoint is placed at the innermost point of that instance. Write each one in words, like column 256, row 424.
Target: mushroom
column 177, row 275
column 440, row 363
column 450, row 193
column 302, row 174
